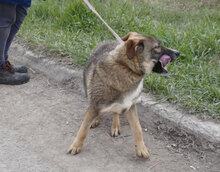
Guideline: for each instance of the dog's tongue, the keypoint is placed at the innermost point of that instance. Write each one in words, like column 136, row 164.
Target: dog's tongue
column 164, row 60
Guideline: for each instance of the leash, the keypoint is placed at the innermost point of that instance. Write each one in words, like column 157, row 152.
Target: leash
column 96, row 13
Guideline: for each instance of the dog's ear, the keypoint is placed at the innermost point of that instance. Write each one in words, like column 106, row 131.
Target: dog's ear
column 125, row 38
column 134, row 47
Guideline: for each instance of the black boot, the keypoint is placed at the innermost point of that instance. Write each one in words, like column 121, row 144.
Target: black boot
column 9, row 77
column 19, row 69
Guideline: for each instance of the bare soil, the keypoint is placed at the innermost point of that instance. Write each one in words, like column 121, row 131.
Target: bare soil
column 39, row 120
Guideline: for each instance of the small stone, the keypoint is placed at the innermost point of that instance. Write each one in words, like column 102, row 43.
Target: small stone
column 162, row 126
column 192, row 167
column 211, row 147
column 145, row 129
column 173, row 145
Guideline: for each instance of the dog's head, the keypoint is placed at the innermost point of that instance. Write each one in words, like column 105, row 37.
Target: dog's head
column 148, row 53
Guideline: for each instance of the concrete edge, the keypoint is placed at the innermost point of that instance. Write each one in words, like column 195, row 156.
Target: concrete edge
column 208, row 130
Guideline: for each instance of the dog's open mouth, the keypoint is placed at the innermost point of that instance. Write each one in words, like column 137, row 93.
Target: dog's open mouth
column 160, row 65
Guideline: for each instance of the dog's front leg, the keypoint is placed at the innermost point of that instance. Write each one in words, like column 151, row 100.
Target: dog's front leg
column 115, row 130
column 133, row 120
column 76, row 146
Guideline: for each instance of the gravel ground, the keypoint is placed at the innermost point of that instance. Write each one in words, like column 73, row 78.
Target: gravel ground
column 39, row 120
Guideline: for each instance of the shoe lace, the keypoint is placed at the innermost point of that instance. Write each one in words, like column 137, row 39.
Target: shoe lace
column 8, row 66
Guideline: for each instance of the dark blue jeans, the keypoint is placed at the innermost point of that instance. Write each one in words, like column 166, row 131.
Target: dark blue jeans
column 11, row 18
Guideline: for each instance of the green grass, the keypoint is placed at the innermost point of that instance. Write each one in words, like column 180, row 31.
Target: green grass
column 193, row 27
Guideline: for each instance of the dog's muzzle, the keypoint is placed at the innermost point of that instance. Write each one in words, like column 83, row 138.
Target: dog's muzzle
column 176, row 55
column 164, row 60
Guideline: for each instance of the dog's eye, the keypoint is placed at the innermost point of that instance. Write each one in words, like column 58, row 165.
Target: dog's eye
column 157, row 47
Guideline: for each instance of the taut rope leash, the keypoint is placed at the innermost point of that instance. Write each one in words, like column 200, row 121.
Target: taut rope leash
column 94, row 11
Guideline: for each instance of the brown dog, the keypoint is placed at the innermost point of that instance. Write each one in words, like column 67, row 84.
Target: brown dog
column 113, row 80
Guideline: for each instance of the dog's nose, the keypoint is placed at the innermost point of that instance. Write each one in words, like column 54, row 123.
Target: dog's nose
column 177, row 53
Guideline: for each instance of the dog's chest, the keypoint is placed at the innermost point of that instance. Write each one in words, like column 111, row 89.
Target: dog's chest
column 127, row 101
column 133, row 96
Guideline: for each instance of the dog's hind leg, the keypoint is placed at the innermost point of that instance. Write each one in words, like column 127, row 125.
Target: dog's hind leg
column 76, row 146
column 133, row 120
column 115, row 130
column 95, row 122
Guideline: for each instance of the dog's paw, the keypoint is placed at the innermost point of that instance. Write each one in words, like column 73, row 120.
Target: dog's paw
column 115, row 131
column 141, row 151
column 74, row 149
column 95, row 123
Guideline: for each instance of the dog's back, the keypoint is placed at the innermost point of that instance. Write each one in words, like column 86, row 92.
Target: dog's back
column 100, row 51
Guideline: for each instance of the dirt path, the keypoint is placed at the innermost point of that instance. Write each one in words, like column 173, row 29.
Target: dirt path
column 39, row 120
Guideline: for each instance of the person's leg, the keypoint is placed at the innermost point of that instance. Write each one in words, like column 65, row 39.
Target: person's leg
column 21, row 13
column 7, row 72
column 7, row 18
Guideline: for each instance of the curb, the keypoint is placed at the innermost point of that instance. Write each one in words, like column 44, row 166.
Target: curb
column 48, row 67
column 206, row 131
